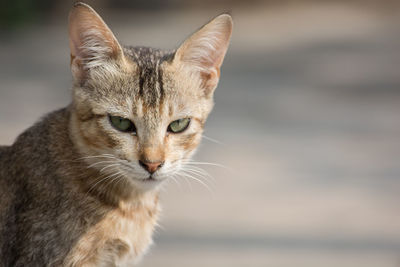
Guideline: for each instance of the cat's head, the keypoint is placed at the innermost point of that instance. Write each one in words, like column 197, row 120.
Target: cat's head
column 138, row 113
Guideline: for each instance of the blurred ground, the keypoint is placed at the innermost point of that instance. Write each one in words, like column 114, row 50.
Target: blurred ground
column 307, row 116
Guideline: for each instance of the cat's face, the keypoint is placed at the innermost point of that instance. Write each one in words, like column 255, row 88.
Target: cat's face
column 138, row 113
column 133, row 124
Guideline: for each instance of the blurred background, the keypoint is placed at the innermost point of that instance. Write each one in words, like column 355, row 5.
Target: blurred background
column 306, row 123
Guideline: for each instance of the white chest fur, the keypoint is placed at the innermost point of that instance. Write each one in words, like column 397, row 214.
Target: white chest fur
column 120, row 238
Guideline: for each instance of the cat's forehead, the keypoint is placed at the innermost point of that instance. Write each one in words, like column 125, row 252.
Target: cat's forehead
column 149, row 89
column 147, row 57
column 149, row 73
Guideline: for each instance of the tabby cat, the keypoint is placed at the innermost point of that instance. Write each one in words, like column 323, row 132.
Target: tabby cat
column 81, row 186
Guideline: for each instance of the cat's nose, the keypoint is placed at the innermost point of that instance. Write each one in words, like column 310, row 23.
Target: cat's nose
column 151, row 166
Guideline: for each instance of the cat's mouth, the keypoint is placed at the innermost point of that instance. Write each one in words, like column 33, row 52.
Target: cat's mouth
column 150, row 179
column 148, row 183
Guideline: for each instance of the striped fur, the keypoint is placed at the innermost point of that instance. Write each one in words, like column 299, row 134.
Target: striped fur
column 72, row 189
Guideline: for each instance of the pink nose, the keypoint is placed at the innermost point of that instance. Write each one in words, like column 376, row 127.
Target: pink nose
column 151, row 167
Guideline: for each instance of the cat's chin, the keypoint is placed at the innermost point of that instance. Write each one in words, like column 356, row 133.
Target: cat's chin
column 147, row 184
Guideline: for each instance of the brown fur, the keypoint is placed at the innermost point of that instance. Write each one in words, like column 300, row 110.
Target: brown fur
column 73, row 191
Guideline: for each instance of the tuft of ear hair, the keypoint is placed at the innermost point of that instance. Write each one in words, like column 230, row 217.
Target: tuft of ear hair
column 205, row 50
column 91, row 42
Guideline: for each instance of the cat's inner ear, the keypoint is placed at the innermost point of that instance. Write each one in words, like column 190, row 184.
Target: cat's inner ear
column 205, row 50
column 91, row 42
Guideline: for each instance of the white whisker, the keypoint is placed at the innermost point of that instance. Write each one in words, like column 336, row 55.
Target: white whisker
column 194, row 163
column 187, row 182
column 198, row 170
column 118, row 178
column 212, row 140
column 109, row 166
column 98, row 156
column 197, row 175
column 99, row 162
column 196, row 179
column 205, row 163
column 173, row 178
column 103, row 179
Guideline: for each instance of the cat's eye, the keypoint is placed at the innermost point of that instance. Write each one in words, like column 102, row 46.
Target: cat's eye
column 178, row 126
column 122, row 124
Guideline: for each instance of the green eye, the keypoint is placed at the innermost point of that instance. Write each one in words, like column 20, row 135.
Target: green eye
column 178, row 126
column 122, row 124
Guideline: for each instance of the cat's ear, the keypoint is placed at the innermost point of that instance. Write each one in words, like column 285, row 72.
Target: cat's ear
column 91, row 42
column 205, row 50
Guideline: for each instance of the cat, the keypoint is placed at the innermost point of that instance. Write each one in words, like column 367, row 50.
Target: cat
column 80, row 187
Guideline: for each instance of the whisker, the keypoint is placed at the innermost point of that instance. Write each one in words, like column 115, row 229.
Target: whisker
column 107, row 183
column 188, row 183
column 180, row 174
column 126, row 164
column 109, row 166
column 197, row 169
column 117, row 179
column 193, row 163
column 101, row 180
column 99, row 162
column 198, row 180
column 205, row 163
column 129, row 169
column 97, row 156
column 212, row 140
column 200, row 175
column 173, row 178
